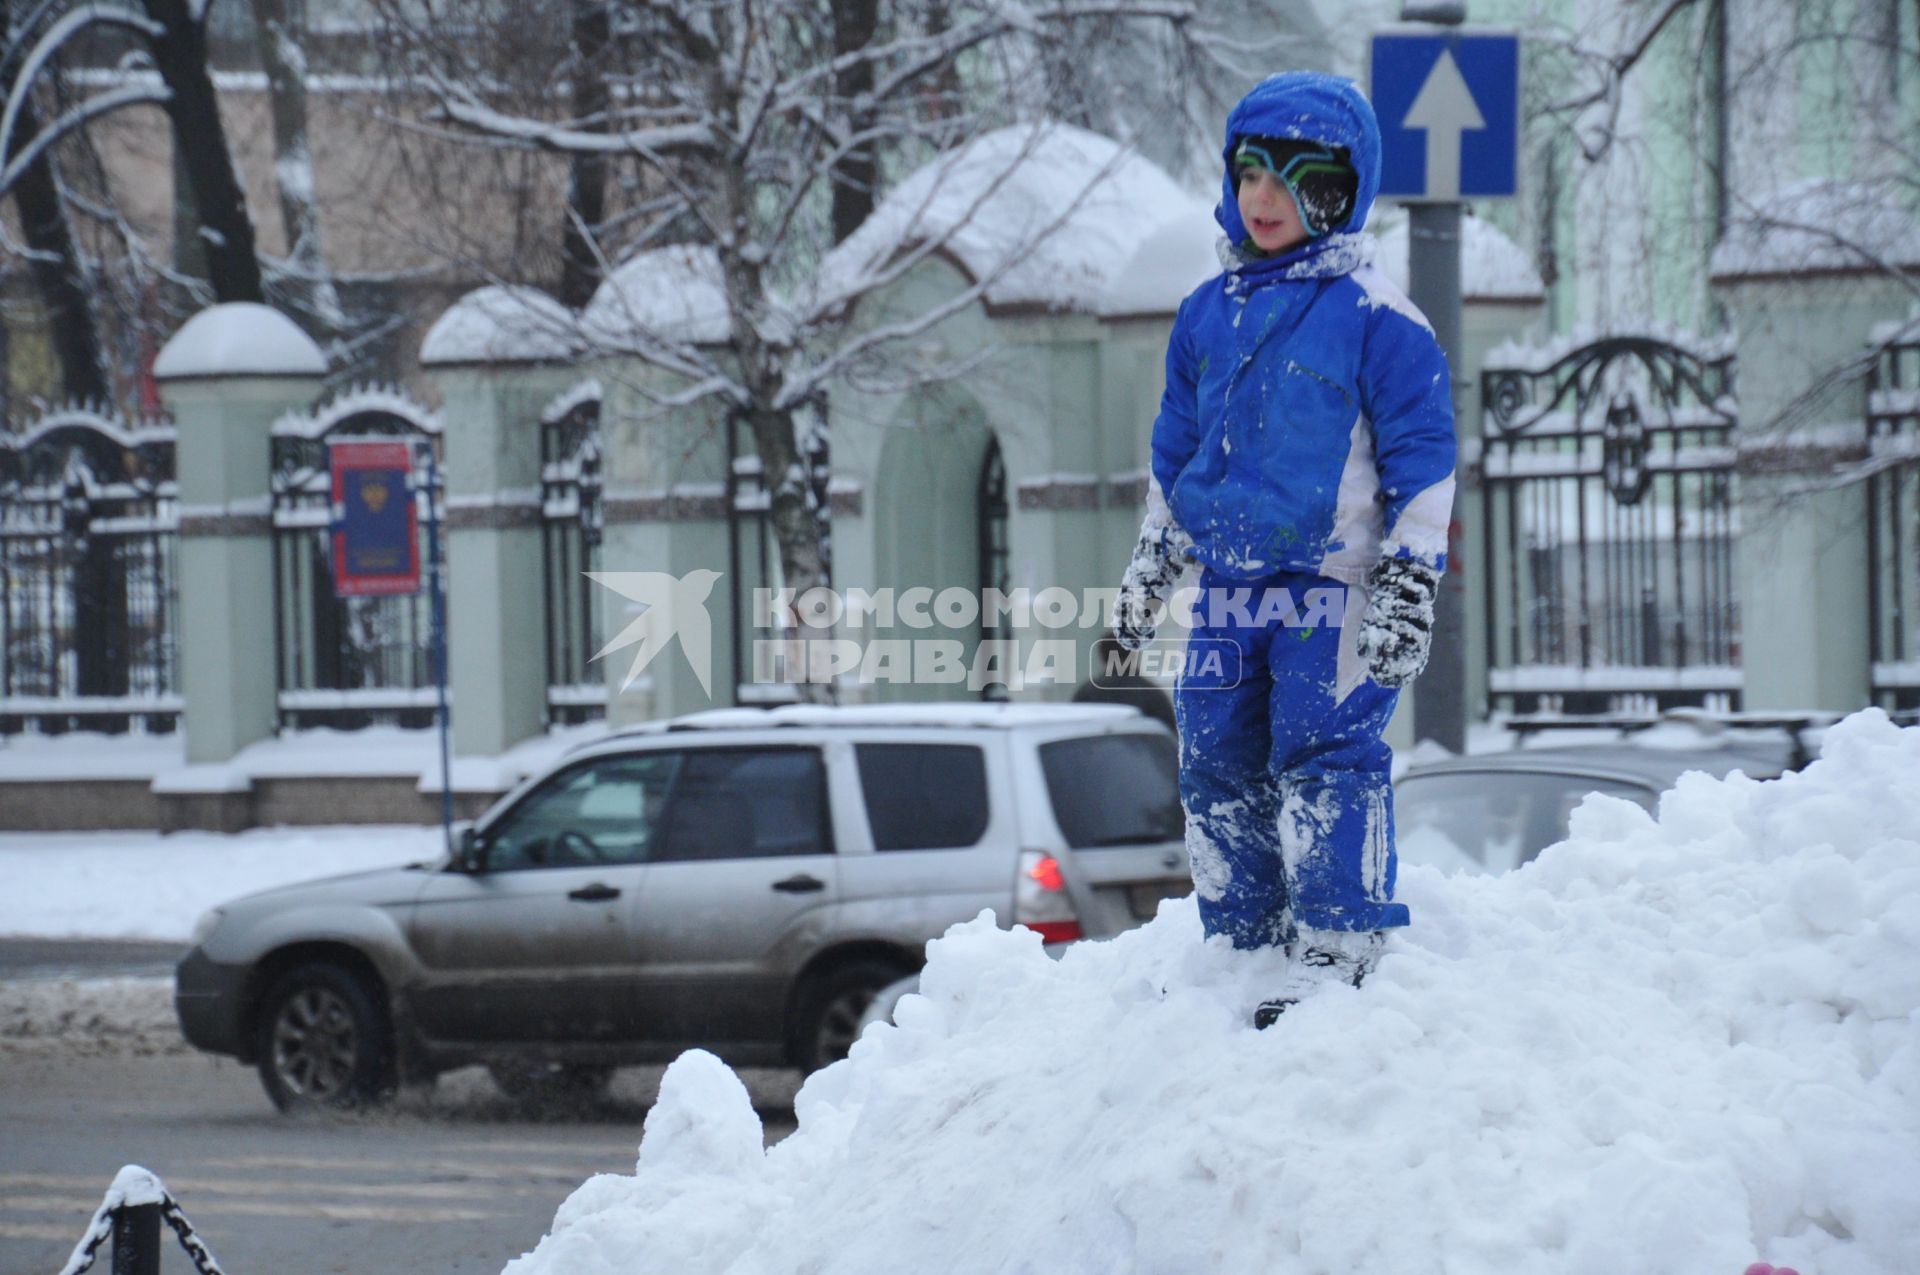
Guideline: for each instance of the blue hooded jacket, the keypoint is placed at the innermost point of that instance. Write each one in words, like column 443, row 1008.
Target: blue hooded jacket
column 1307, row 421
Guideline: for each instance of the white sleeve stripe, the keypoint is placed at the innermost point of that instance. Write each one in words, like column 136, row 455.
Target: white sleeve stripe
column 1422, row 526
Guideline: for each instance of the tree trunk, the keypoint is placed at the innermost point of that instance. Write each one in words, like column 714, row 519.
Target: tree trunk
column 58, row 274
column 587, row 178
column 853, row 178
column 281, row 54
column 180, row 55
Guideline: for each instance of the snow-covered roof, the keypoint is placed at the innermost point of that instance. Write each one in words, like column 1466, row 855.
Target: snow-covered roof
column 1492, row 266
column 497, row 324
column 1053, row 213
column 1819, row 225
column 677, row 292
column 239, row 338
column 1170, row 261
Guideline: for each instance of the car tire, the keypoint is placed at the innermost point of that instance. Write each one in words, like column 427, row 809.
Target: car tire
column 552, row 1085
column 322, row 1042
column 828, row 1012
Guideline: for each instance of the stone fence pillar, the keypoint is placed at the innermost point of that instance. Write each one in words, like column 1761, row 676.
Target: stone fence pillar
column 499, row 356
column 227, row 375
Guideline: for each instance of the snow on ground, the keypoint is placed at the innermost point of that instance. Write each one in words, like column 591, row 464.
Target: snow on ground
column 142, row 885
column 1680, row 1045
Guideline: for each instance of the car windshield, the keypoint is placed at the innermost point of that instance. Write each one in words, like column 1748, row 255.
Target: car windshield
column 1492, row 820
column 1114, row 790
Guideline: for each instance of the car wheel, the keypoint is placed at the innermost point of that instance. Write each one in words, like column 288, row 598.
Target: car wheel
column 827, row 1016
column 323, row 1042
column 551, row 1084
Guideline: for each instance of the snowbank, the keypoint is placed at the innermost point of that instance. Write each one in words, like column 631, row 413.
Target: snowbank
column 141, row 885
column 1666, row 1046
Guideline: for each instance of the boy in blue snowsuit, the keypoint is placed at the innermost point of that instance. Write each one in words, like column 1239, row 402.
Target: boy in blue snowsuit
column 1303, row 456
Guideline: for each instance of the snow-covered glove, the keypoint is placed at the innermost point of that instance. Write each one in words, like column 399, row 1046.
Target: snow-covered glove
column 1158, row 559
column 1397, row 631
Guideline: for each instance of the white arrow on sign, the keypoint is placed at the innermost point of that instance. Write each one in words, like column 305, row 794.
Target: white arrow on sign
column 1444, row 108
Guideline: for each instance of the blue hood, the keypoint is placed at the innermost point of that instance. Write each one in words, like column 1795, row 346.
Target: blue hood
column 1320, row 108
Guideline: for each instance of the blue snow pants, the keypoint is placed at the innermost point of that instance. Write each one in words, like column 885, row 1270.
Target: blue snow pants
column 1284, row 773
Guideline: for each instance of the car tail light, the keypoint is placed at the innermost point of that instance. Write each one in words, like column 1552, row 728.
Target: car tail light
column 1040, row 899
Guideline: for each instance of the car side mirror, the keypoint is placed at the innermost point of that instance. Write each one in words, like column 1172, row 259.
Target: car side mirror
column 471, row 853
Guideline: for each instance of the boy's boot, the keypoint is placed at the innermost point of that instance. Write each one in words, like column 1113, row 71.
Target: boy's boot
column 1319, row 958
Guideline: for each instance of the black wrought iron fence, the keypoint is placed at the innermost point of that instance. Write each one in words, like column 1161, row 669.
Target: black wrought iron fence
column 1608, row 489
column 571, row 526
column 1893, row 520
column 88, row 522
column 357, row 661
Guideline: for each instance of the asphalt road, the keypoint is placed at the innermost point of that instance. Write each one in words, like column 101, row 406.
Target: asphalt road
column 457, row 1178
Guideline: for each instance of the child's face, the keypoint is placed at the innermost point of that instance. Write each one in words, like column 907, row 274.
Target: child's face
column 1268, row 211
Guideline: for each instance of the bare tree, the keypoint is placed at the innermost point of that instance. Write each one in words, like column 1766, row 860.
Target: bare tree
column 278, row 39
column 53, row 257
column 761, row 131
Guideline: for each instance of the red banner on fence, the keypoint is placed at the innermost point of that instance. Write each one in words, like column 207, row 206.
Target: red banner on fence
column 376, row 548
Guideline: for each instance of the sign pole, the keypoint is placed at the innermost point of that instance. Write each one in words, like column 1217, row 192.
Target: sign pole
column 1433, row 284
column 1448, row 102
column 437, row 572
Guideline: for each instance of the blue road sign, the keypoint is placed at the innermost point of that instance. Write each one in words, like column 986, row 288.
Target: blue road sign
column 1449, row 108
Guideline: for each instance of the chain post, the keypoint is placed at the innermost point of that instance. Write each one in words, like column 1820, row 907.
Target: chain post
column 136, row 1239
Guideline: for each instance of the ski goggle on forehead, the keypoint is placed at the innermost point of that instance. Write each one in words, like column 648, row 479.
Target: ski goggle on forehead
column 1323, row 184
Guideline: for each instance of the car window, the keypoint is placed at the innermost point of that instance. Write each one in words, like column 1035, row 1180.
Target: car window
column 924, row 796
column 1114, row 790
column 746, row 803
column 602, row 811
column 1491, row 821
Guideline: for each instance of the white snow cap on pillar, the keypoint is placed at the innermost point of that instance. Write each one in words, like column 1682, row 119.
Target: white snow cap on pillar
column 502, row 324
column 239, row 338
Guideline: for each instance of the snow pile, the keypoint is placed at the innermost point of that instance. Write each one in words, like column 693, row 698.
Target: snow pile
column 1674, row 1046
column 1052, row 213
column 145, row 886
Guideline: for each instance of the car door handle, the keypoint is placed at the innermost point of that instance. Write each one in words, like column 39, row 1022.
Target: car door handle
column 802, row 884
column 595, row 893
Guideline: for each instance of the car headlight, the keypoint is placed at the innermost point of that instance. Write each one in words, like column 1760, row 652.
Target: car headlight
column 205, row 925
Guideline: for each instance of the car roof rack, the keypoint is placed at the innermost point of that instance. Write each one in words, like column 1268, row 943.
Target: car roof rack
column 1706, row 721
column 942, row 714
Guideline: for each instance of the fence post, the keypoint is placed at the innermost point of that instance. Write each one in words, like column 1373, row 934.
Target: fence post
column 227, row 375
column 136, row 1240
column 498, row 355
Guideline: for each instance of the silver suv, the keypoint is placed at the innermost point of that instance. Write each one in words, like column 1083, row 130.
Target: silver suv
column 740, row 880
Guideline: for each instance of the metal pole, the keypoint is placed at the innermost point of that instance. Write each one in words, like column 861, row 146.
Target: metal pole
column 1433, row 279
column 136, row 1239
column 439, row 595
column 1440, row 702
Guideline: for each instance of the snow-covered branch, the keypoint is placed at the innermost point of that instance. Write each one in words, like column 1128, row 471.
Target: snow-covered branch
column 76, row 116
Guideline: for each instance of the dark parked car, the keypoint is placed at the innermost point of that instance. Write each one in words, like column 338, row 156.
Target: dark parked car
column 743, row 881
column 1492, row 812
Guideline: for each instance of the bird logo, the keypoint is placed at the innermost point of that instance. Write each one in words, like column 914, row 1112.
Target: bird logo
column 663, row 606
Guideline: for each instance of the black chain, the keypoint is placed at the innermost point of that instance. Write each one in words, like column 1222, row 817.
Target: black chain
column 189, row 1239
